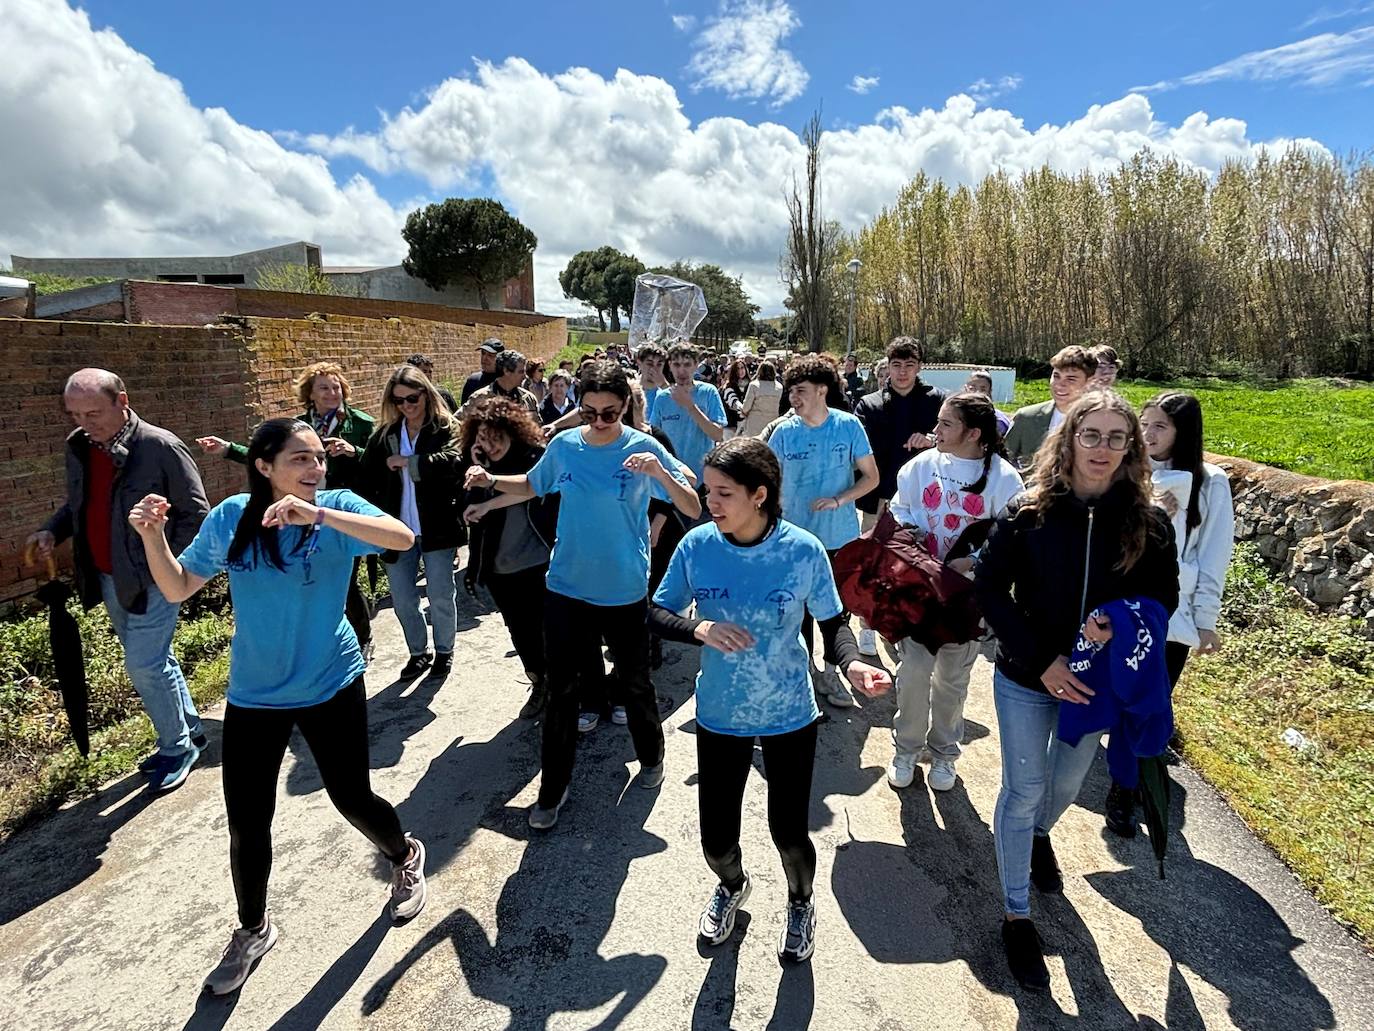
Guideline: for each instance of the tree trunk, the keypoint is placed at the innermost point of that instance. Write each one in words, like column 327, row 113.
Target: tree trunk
column 615, row 319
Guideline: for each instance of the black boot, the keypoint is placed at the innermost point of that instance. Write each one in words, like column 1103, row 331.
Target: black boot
column 1121, row 811
column 539, row 694
column 1044, row 870
column 1025, row 956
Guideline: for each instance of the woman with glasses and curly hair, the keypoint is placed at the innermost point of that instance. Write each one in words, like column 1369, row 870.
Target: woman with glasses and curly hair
column 1087, row 532
column 412, row 470
column 508, row 550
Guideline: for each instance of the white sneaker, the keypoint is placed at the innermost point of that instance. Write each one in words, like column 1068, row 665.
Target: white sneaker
column 942, row 775
column 901, row 771
column 244, row 949
column 717, row 921
column 868, row 642
column 408, row 890
column 835, row 689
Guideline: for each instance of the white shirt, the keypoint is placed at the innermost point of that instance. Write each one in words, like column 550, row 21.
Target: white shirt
column 1056, row 417
column 932, row 496
column 410, row 515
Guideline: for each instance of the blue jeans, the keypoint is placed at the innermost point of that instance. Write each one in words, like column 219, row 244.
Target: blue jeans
column 439, row 589
column 1040, row 779
column 153, row 669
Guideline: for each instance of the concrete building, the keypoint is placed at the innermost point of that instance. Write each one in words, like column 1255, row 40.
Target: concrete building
column 380, row 282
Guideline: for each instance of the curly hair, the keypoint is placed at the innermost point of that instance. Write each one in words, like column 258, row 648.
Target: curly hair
column 499, row 415
column 1051, row 480
column 811, row 369
column 305, row 382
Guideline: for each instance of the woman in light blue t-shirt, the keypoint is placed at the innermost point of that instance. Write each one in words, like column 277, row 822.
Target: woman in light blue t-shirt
column 289, row 549
column 753, row 577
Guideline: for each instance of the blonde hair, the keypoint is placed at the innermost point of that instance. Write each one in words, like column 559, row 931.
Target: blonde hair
column 435, row 410
column 1052, row 477
column 305, row 382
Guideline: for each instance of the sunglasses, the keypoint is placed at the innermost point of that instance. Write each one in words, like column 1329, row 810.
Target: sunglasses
column 407, row 399
column 610, row 415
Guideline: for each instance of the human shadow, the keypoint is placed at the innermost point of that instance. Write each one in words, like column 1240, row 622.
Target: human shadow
column 715, row 1005
column 58, row 852
column 335, row 982
column 552, row 916
column 1213, row 923
column 796, row 999
column 945, row 876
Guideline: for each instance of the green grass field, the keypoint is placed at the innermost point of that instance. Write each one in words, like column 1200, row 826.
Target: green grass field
column 1308, row 426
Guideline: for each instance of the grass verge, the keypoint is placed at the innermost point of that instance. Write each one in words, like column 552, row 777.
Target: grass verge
column 1314, row 426
column 1284, row 667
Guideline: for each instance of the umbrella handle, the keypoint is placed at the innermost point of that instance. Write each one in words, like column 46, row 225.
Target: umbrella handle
column 50, row 565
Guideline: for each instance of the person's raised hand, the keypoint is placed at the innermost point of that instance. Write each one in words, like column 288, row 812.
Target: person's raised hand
column 149, row 516
column 213, row 445
column 724, row 637
column 290, row 511
column 477, row 477
column 474, row 513
column 336, row 446
column 869, row 681
column 397, row 461
column 645, row 463
column 1063, row 685
column 919, row 442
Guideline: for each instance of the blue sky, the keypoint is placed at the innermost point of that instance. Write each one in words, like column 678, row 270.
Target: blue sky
column 306, row 73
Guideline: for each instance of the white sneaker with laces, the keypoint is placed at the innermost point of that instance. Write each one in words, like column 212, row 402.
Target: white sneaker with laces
column 717, row 920
column 868, row 642
column 408, row 890
column 901, row 771
column 942, row 775
column 798, row 938
column 245, row 948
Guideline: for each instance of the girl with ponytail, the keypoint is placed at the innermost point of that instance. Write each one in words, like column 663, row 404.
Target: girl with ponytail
column 964, row 478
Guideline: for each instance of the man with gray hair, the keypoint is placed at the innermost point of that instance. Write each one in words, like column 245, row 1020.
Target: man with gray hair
column 114, row 459
column 510, row 373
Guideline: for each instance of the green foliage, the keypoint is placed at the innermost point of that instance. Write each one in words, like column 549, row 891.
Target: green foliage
column 292, row 278
column 1284, row 666
column 466, row 240
column 47, row 283
column 604, row 280
column 1308, row 426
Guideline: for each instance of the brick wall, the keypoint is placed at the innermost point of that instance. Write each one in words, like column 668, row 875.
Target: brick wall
column 199, row 380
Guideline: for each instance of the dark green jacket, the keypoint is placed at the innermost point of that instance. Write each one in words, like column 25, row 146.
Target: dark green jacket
column 341, row 471
column 1029, row 428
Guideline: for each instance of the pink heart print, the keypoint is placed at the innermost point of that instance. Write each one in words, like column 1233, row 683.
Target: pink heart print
column 930, row 497
column 973, row 505
column 932, row 544
column 952, row 521
column 950, row 542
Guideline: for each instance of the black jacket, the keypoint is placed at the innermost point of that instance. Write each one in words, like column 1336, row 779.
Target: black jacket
column 1037, row 580
column 890, row 419
column 436, row 468
column 486, row 532
column 150, row 460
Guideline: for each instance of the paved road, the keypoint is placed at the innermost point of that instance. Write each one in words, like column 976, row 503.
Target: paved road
column 112, row 911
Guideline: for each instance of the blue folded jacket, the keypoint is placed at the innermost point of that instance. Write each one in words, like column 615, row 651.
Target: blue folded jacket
column 1131, row 684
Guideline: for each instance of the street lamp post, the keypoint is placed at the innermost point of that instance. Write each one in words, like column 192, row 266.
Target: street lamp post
column 854, row 265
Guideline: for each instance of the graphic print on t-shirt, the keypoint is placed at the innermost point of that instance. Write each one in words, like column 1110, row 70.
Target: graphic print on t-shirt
column 818, row 462
column 933, row 496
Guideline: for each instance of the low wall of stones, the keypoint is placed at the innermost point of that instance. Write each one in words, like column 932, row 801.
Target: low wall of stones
column 1316, row 535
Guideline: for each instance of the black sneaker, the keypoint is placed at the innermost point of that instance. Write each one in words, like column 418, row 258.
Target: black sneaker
column 1044, row 871
column 1025, row 957
column 534, row 705
column 443, row 665
column 1121, row 811
column 417, row 665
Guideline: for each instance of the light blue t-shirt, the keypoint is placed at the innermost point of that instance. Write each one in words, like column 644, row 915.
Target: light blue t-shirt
column 650, row 400
column 818, row 462
column 292, row 645
column 689, row 441
column 766, row 589
column 601, row 555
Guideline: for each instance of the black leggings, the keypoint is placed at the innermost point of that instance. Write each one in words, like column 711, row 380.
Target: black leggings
column 723, row 762
column 520, row 597
column 1175, row 658
column 254, row 744
column 808, row 622
column 356, row 609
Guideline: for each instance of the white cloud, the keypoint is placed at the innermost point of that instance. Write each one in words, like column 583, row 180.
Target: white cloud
column 1326, row 14
column 684, row 22
column 862, row 84
column 984, row 90
column 740, row 53
column 1327, row 59
column 107, row 155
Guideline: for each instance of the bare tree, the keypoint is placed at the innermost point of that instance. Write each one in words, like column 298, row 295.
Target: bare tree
column 811, row 245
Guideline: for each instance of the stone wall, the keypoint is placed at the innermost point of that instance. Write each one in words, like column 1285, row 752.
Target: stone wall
column 1316, row 535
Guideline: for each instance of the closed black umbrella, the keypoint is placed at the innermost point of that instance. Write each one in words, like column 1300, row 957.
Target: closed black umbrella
column 67, row 659
column 1154, row 790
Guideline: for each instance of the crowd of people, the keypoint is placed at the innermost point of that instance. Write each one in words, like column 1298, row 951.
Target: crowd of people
column 642, row 499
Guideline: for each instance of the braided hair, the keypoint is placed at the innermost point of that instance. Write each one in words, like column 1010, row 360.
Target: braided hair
column 977, row 412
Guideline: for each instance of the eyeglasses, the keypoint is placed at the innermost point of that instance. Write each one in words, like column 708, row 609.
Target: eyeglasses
column 407, row 399
column 609, row 416
column 1117, row 440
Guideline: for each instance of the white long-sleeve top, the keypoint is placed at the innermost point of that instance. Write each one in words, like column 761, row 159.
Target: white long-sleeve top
column 1203, row 559
column 932, row 495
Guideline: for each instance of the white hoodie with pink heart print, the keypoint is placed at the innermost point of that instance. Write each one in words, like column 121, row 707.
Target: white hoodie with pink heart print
column 933, row 496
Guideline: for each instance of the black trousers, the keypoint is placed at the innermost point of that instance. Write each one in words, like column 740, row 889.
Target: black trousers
column 254, row 744
column 520, row 597
column 808, row 624
column 573, row 631
column 1175, row 658
column 723, row 762
column 356, row 609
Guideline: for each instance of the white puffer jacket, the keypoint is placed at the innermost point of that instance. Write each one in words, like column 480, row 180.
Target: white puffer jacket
column 1203, row 559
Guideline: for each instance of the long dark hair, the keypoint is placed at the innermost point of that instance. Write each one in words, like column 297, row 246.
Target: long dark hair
column 751, row 463
column 977, row 412
column 250, row 535
column 1185, row 412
